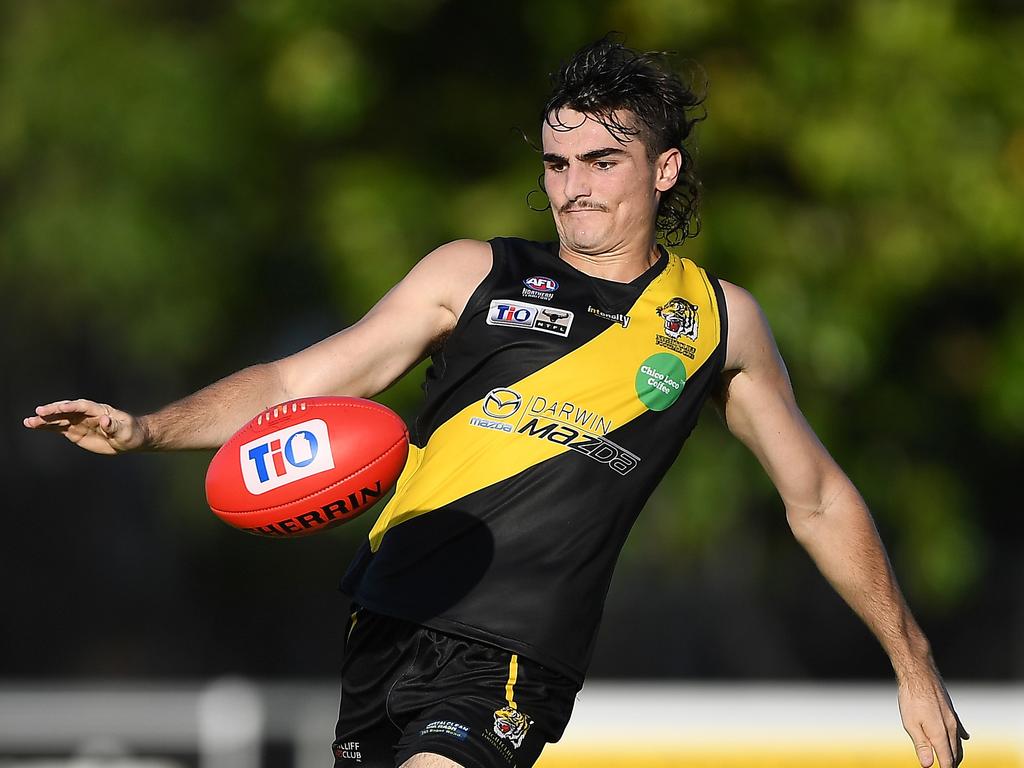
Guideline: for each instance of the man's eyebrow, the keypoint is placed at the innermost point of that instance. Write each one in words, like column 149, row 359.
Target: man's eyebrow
column 597, row 154
column 594, row 154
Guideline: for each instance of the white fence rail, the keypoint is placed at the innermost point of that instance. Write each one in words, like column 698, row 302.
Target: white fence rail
column 227, row 723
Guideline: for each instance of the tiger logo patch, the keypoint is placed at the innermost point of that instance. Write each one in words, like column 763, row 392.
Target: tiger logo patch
column 680, row 318
column 511, row 724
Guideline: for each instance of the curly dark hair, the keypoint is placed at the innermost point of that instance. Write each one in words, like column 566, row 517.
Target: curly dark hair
column 604, row 79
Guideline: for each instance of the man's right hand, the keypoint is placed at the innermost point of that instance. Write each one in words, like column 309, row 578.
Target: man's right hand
column 96, row 427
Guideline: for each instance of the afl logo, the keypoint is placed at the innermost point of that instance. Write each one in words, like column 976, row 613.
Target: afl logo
column 542, row 284
column 502, row 403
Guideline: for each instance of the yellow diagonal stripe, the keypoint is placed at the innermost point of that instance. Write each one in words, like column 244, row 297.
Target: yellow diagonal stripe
column 599, row 376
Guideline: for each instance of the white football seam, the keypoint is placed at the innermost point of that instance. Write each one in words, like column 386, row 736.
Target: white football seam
column 252, row 422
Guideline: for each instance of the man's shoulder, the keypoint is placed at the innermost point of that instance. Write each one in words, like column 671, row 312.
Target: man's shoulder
column 749, row 330
column 468, row 252
column 460, row 249
column 454, row 258
column 451, row 272
column 734, row 292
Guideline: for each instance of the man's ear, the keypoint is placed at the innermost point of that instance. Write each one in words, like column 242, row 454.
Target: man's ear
column 666, row 169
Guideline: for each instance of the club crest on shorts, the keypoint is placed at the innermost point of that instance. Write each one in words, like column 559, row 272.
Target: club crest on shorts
column 511, row 724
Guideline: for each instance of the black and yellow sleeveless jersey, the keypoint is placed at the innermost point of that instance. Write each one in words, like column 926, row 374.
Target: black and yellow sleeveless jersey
column 552, row 410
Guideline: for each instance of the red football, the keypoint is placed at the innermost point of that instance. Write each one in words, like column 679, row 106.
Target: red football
column 307, row 465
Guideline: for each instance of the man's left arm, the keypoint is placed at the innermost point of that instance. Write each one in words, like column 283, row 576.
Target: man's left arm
column 830, row 519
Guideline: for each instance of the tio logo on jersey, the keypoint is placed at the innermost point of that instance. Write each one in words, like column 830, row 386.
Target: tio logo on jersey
column 282, row 457
column 520, row 314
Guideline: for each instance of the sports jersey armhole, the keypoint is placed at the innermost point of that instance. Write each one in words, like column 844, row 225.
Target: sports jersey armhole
column 479, row 294
column 723, row 318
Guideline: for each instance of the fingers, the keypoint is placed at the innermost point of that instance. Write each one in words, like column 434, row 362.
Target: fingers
column 86, row 407
column 957, row 735
column 955, row 731
column 110, row 427
column 50, row 421
column 953, row 739
column 61, row 425
column 62, row 413
column 92, row 426
column 924, row 752
column 923, row 745
column 932, row 738
column 106, row 422
column 933, row 725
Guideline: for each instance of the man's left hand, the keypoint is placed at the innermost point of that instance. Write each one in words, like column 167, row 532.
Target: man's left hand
column 929, row 718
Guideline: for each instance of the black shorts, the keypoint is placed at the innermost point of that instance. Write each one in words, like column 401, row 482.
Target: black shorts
column 407, row 689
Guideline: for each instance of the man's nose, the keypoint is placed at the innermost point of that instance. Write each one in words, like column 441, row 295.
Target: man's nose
column 577, row 182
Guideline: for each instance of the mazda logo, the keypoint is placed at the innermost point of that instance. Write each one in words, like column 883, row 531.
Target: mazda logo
column 502, row 403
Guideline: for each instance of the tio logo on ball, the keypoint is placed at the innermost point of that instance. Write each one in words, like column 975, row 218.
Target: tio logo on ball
column 285, row 456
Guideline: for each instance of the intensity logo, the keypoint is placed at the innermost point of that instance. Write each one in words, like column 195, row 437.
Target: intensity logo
column 616, row 317
column 284, row 456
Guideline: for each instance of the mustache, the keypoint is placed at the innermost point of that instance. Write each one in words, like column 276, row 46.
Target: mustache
column 571, row 206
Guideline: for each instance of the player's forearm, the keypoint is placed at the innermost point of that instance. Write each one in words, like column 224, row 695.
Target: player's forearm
column 207, row 418
column 841, row 538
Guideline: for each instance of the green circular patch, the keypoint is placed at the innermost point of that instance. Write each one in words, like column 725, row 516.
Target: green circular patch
column 660, row 380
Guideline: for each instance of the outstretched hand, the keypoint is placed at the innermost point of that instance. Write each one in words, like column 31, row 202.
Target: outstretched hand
column 930, row 720
column 96, row 427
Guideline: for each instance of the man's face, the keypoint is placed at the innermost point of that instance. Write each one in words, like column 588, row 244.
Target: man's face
column 603, row 192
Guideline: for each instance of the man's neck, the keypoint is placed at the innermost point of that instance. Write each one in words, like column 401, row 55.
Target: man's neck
column 620, row 266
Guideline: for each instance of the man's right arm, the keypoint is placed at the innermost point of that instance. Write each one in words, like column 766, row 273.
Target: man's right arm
column 359, row 361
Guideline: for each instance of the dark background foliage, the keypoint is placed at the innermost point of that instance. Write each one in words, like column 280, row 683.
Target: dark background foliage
column 186, row 188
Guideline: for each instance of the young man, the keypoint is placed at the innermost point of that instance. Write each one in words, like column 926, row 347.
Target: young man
column 566, row 377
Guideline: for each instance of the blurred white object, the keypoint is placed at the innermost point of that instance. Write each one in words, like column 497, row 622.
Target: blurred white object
column 230, row 714
column 226, row 722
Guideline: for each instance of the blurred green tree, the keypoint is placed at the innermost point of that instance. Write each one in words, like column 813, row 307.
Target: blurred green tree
column 166, row 169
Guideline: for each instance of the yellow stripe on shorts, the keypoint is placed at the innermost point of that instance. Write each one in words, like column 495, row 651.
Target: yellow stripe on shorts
column 513, row 674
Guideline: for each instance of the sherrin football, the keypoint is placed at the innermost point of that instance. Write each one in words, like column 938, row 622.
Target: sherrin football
column 307, row 465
